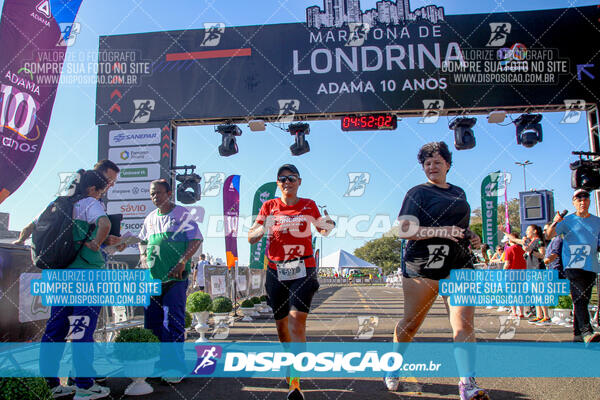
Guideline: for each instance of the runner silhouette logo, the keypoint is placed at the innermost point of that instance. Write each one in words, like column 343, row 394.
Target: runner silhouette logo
column 143, row 108
column 212, row 34
column 77, row 326
column 500, row 32
column 431, row 111
column 366, row 327
column 358, row 33
column 573, row 110
column 213, row 181
column 437, row 255
column 207, row 359
column 69, row 33
column 508, row 327
column 579, row 254
column 358, row 183
column 287, row 110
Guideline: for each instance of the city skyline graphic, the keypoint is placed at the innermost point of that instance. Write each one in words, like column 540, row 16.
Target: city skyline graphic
column 337, row 13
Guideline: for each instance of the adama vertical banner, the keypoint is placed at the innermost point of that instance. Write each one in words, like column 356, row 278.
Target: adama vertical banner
column 257, row 250
column 231, row 213
column 34, row 35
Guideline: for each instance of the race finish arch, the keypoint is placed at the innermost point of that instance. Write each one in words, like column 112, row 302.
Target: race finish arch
column 339, row 62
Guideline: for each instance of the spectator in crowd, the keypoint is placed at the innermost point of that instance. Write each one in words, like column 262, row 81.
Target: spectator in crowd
column 110, row 171
column 581, row 232
column 514, row 259
column 534, row 246
column 170, row 237
column 199, row 272
column 65, row 320
column 497, row 256
column 553, row 256
column 486, row 253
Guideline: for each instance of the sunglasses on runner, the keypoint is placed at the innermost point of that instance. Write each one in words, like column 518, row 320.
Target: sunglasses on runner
column 285, row 178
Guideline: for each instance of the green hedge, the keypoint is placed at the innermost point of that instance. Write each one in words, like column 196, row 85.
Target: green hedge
column 198, row 302
column 221, row 305
column 24, row 389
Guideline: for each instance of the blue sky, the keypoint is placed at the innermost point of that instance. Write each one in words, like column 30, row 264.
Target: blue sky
column 389, row 157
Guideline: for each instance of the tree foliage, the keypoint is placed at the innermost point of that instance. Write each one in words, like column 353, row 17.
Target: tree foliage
column 385, row 252
column 513, row 217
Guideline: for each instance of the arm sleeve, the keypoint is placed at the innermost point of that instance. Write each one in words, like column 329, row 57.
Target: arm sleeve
column 263, row 213
column 314, row 211
column 143, row 235
column 94, row 211
column 561, row 228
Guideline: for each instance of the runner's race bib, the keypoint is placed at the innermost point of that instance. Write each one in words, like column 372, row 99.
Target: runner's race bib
column 290, row 270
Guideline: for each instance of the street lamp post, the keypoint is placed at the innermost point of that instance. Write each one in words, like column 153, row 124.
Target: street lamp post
column 321, row 208
column 524, row 165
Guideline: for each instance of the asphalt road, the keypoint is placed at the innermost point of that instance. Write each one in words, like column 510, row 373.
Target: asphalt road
column 334, row 318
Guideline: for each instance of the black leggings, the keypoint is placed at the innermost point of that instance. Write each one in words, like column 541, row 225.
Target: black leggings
column 582, row 283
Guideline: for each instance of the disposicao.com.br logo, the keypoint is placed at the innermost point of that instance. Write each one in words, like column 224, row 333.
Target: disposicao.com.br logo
column 274, row 360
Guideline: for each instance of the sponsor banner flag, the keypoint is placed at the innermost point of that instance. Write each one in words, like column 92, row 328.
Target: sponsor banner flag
column 266, row 192
column 489, row 208
column 231, row 213
column 34, row 35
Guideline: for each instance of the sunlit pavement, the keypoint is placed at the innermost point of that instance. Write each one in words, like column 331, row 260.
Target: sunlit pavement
column 334, row 318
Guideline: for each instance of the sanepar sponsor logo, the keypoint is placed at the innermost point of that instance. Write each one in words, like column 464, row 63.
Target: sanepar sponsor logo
column 317, row 362
column 138, row 137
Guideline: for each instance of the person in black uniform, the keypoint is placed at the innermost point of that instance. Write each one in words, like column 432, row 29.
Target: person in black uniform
column 435, row 220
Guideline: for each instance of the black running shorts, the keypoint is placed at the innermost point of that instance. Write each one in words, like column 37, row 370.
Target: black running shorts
column 295, row 294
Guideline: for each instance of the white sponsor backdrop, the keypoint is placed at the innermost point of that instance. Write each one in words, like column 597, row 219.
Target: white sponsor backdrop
column 128, row 191
column 134, row 137
column 130, row 209
column 153, row 172
column 132, row 155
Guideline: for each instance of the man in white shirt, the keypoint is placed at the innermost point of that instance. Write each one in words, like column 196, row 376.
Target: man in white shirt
column 199, row 272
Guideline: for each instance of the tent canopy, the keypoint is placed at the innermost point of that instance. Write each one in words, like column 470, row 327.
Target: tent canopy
column 341, row 259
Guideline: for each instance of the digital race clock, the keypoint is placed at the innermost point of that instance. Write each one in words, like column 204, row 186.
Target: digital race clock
column 369, row 122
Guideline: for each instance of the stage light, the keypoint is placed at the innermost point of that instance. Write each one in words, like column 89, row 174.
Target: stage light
column 299, row 130
column 529, row 129
column 585, row 171
column 464, row 138
column 228, row 145
column 188, row 191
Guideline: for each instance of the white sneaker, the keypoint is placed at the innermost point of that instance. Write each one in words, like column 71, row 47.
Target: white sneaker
column 94, row 392
column 60, row 391
column 392, row 383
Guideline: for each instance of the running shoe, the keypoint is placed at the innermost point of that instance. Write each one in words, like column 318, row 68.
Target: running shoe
column 60, row 391
column 295, row 393
column 94, row 392
column 591, row 338
column 470, row 391
column 544, row 322
column 533, row 321
column 391, row 382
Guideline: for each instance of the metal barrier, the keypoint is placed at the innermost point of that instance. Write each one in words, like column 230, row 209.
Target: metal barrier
column 122, row 317
column 344, row 281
